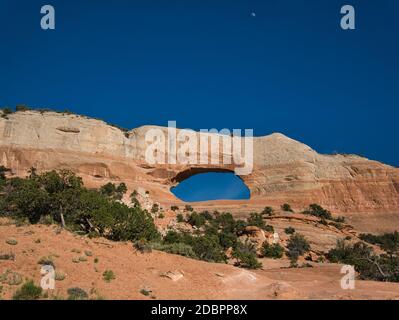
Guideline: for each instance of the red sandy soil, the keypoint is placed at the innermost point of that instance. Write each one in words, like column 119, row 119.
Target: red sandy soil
column 135, row 271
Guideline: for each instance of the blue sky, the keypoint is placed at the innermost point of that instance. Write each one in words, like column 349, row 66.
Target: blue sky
column 212, row 186
column 211, row 64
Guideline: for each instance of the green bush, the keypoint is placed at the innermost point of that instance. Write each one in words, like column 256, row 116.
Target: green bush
column 208, row 249
column 172, row 237
column 143, row 246
column 77, row 293
column 289, row 230
column 268, row 211
column 108, row 275
column 274, row 251
column 145, row 292
column 11, row 278
column 318, row 211
column 188, row 208
column 179, row 218
column 245, row 254
column 62, row 197
column 12, row 242
column 174, row 208
column 112, row 191
column 297, row 245
column 207, row 215
column 256, row 219
column 196, row 220
column 28, row 291
column 227, row 239
column 22, row 107
column 286, row 207
column 7, row 256
column 176, row 248
column 5, row 112
column 224, row 221
column 46, row 261
column 154, row 208
column 369, row 265
column 388, row 242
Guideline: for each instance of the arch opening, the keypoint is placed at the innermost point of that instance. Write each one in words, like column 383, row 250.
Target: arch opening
column 208, row 186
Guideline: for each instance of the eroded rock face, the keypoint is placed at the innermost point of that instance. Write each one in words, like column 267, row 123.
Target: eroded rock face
column 284, row 170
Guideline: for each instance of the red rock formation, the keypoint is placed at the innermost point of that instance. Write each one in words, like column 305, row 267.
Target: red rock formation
column 284, row 170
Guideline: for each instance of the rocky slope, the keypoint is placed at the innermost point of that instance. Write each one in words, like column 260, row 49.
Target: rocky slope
column 82, row 261
column 284, row 170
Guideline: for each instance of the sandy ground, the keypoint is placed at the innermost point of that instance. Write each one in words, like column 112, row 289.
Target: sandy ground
column 135, row 271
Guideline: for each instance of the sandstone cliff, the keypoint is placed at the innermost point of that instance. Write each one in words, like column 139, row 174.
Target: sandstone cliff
column 284, row 170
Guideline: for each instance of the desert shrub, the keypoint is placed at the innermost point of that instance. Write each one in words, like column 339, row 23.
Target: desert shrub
column 77, row 293
column 188, row 208
column 286, row 207
column 268, row 211
column 7, row 256
column 113, row 191
column 22, row 107
column 297, row 245
column 369, row 265
column 108, row 275
column 46, row 261
column 268, row 228
column 347, row 253
column 3, row 171
column 207, row 248
column 224, row 221
column 61, row 195
column 196, row 220
column 12, row 242
column 289, row 230
column 88, row 253
column 318, row 211
column 108, row 189
column 5, row 112
column 28, row 291
column 143, row 246
column 245, row 254
column 388, row 242
column 204, row 247
column 179, row 218
column 161, row 216
column 323, row 221
column 133, row 199
column 155, row 208
column 172, row 237
column 337, row 225
column 145, row 292
column 228, row 239
column 59, row 275
column 339, row 219
column 274, row 251
column 207, row 215
column 11, row 278
column 174, row 208
column 239, row 226
column 256, row 219
column 176, row 248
